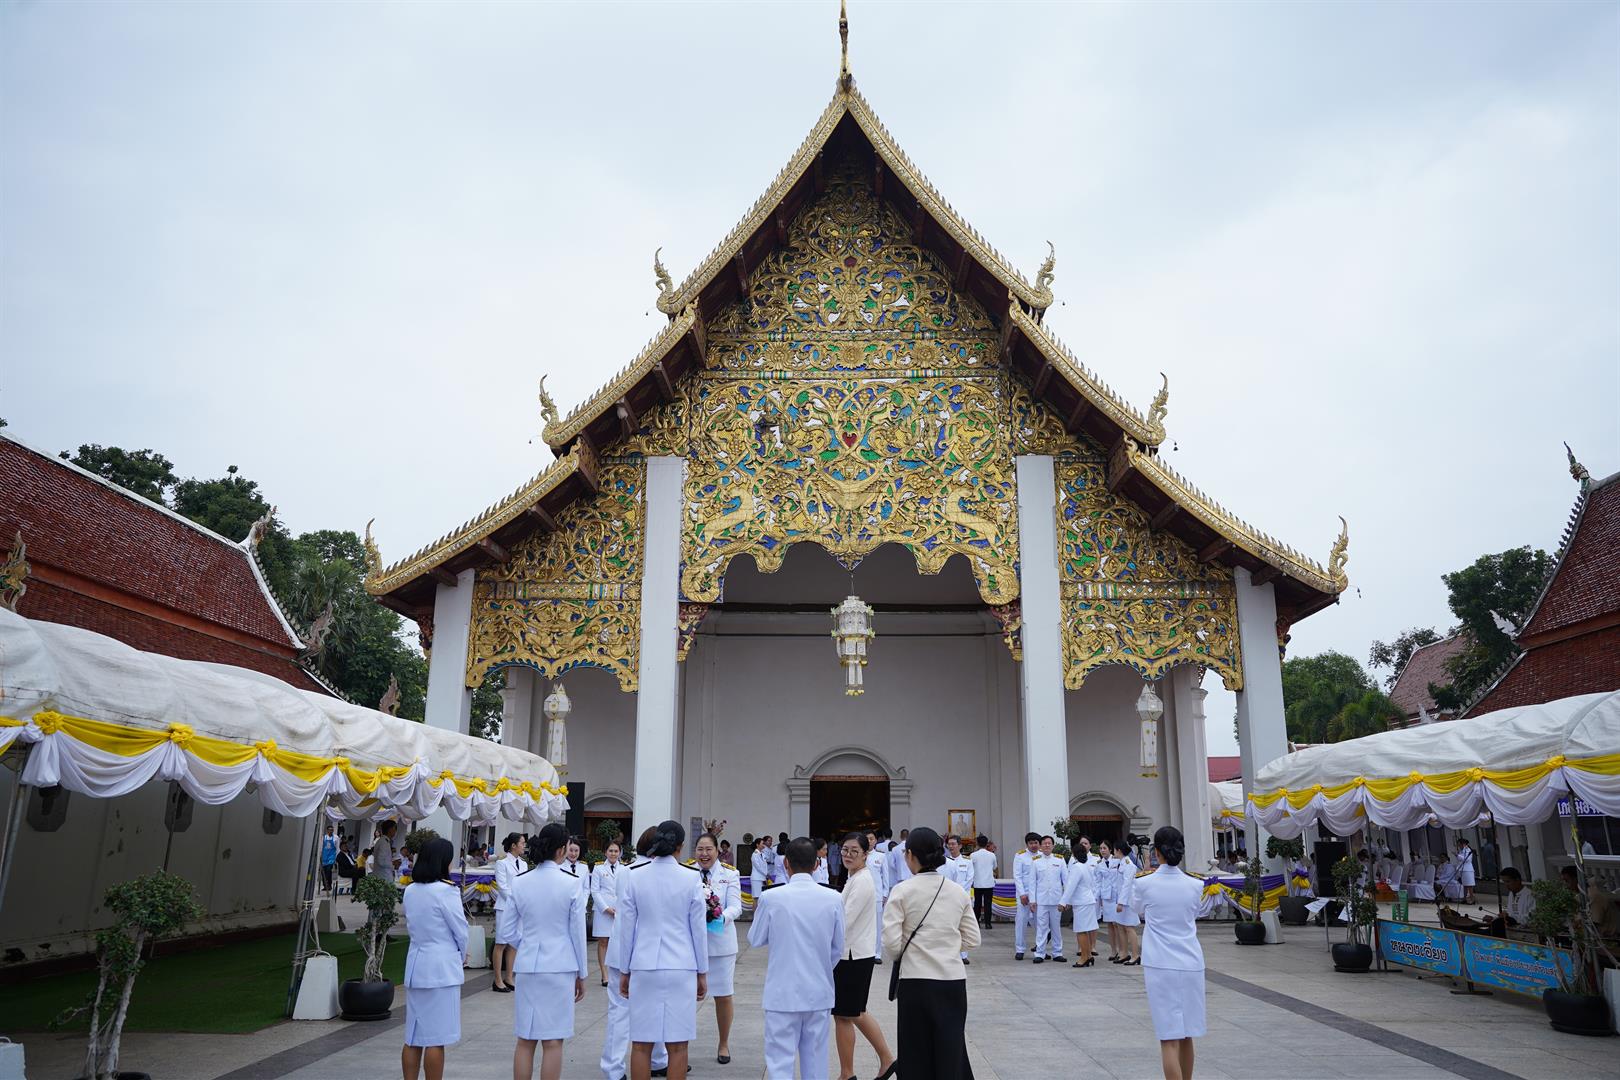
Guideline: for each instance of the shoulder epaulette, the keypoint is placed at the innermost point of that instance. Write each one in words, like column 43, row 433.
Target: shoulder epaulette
column 692, row 866
column 728, row 866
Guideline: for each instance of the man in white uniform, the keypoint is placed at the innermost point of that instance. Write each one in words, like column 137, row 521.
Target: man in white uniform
column 1047, row 872
column 759, row 868
column 803, row 926
column 959, row 869
column 898, row 870
column 878, row 867
column 1024, row 887
column 984, row 880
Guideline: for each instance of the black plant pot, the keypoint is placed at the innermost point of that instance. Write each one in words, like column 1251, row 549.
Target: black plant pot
column 1348, row 956
column 361, row 1000
column 1292, row 911
column 1250, row 933
column 1577, row 1014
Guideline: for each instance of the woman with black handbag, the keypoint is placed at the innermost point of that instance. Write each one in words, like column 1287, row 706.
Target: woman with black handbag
column 927, row 924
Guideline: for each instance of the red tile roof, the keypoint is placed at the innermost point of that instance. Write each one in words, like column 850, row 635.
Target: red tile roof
column 75, row 522
column 1426, row 665
column 1586, row 583
column 1225, row 768
column 1588, row 664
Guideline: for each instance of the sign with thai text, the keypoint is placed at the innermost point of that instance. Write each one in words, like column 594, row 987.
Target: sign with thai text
column 1581, row 808
column 1514, row 965
column 1432, row 948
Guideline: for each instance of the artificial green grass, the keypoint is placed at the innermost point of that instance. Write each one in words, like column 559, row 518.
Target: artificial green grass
column 229, row 990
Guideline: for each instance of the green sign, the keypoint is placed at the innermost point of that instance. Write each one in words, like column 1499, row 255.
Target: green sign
column 1399, row 914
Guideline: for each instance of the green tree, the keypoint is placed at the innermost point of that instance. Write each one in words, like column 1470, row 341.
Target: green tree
column 1394, row 654
column 145, row 472
column 230, row 506
column 1368, row 714
column 486, row 707
column 1316, row 689
column 1506, row 584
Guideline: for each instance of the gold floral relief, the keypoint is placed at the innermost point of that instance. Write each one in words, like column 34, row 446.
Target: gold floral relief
column 572, row 596
column 1131, row 595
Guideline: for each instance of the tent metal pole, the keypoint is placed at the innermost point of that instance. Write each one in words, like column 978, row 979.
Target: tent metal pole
column 14, row 818
column 306, row 912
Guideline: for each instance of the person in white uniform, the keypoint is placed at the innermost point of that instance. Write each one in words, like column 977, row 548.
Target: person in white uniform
column 1080, row 897
column 437, row 923
column 1024, row 887
column 666, row 958
column 1465, row 870
column 984, row 880
column 511, row 864
column 724, row 884
column 551, row 957
column 759, row 868
column 1125, row 917
column 877, row 864
column 604, row 902
column 616, row 1038
column 1048, row 874
column 779, row 873
column 1517, row 901
column 1166, row 901
column 1107, row 891
column 803, row 926
column 958, row 868
column 899, row 869
column 852, row 977
column 822, row 874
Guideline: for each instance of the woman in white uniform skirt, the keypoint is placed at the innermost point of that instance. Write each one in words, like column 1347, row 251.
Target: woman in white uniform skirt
column 604, row 903
column 1080, row 897
column 511, row 864
column 437, row 923
column 1125, row 917
column 666, row 956
column 724, row 884
column 551, row 958
column 1107, row 889
column 1167, row 903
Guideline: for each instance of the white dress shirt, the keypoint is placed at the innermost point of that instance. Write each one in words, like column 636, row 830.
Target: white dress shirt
column 984, row 868
column 803, row 926
column 878, row 866
column 759, row 872
column 723, row 881
column 779, row 873
column 1023, row 880
column 899, row 869
column 506, row 872
column 604, row 895
column 1080, row 887
column 551, row 918
column 1167, row 901
column 959, row 870
column 820, row 874
column 661, row 919
column 1518, row 905
column 1047, row 874
column 860, row 915
column 437, row 924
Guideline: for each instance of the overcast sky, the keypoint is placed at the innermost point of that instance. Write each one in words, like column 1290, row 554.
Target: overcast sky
column 1376, row 248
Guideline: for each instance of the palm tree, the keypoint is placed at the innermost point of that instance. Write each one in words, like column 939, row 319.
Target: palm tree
column 1372, row 712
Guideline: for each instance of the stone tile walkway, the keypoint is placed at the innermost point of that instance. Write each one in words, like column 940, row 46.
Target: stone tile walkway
column 1276, row 1013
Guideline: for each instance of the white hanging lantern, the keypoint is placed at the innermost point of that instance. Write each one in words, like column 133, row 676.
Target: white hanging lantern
column 852, row 629
column 557, row 707
column 1149, row 708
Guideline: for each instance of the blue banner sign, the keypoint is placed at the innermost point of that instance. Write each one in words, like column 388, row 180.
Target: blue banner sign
column 1582, row 808
column 1432, row 948
column 1514, row 965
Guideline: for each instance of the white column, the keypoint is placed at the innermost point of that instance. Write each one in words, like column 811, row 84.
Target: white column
column 1192, row 756
column 657, row 700
column 449, row 701
column 1046, row 744
column 1262, row 731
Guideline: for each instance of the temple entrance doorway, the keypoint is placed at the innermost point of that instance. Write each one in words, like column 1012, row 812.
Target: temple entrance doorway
column 845, row 804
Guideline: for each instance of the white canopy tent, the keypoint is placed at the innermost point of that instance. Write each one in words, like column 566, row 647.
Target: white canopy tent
column 1513, row 764
column 1226, row 804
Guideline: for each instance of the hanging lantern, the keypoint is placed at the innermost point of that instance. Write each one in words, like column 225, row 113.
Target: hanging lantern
column 1149, row 708
column 557, row 707
column 852, row 629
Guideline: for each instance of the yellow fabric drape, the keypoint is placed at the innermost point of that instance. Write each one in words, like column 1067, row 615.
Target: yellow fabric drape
column 1388, row 789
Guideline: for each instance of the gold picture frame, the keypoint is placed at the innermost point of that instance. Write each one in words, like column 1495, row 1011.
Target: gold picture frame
column 963, row 823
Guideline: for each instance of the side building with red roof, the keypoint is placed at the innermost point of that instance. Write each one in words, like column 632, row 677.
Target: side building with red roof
column 1426, row 667
column 105, row 559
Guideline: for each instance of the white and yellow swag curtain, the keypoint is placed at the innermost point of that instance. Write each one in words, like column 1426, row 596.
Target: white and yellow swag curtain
column 104, row 718
column 1513, row 765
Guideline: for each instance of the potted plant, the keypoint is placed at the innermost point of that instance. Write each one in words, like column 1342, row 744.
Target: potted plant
column 371, row 997
column 1291, row 909
column 415, row 841
column 1578, row 1005
column 1249, row 929
column 143, row 910
column 1354, row 954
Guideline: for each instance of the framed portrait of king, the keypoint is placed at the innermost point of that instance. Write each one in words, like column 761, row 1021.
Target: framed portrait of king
column 963, row 823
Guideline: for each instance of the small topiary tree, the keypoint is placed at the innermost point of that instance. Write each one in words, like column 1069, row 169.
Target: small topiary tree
column 1254, row 886
column 1560, row 913
column 1361, row 910
column 143, row 909
column 1289, row 851
column 382, row 901
column 416, row 840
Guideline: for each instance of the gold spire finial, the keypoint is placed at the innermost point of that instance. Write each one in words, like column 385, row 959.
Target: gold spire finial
column 548, row 408
column 661, row 275
column 1048, row 271
column 844, row 77
column 1340, row 555
column 1577, row 471
column 374, row 563
column 1161, row 403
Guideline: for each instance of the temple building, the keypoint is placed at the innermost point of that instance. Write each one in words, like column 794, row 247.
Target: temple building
column 856, row 395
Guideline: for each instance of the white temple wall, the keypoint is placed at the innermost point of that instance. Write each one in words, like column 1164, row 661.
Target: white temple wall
column 1105, row 745
column 601, row 732
column 243, row 877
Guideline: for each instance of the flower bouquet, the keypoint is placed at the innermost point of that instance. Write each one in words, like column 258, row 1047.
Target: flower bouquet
column 713, row 912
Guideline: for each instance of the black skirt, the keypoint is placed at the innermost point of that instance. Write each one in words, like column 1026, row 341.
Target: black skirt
column 931, row 1016
column 852, row 983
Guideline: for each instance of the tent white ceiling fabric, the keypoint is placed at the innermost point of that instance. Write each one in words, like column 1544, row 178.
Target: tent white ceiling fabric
column 1226, row 804
column 1514, row 764
column 104, row 718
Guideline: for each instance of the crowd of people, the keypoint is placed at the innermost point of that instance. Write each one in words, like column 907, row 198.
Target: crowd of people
column 827, row 915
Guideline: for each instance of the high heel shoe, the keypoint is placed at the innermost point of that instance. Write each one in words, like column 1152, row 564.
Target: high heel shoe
column 1133, row 963
column 890, row 1071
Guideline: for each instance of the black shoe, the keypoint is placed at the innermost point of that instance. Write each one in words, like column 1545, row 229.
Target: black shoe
column 1060, row 959
column 661, row 1072
column 1040, row 959
column 890, row 1071
column 1133, row 963
column 965, row 960
column 722, row 1059
column 1018, row 956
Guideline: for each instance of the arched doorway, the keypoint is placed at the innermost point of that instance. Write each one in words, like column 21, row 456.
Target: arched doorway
column 1101, row 817
column 606, row 808
column 848, row 789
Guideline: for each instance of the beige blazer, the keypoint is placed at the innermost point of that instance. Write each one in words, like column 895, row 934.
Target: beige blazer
column 936, row 951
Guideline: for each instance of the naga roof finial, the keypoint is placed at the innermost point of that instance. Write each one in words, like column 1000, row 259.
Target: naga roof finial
column 14, row 574
column 548, row 408
column 1340, row 555
column 374, row 563
column 1048, row 271
column 1578, row 471
column 661, row 276
column 1161, row 403
column 845, row 79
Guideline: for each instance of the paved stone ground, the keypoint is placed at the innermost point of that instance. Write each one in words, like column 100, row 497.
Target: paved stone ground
column 1276, row 1013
